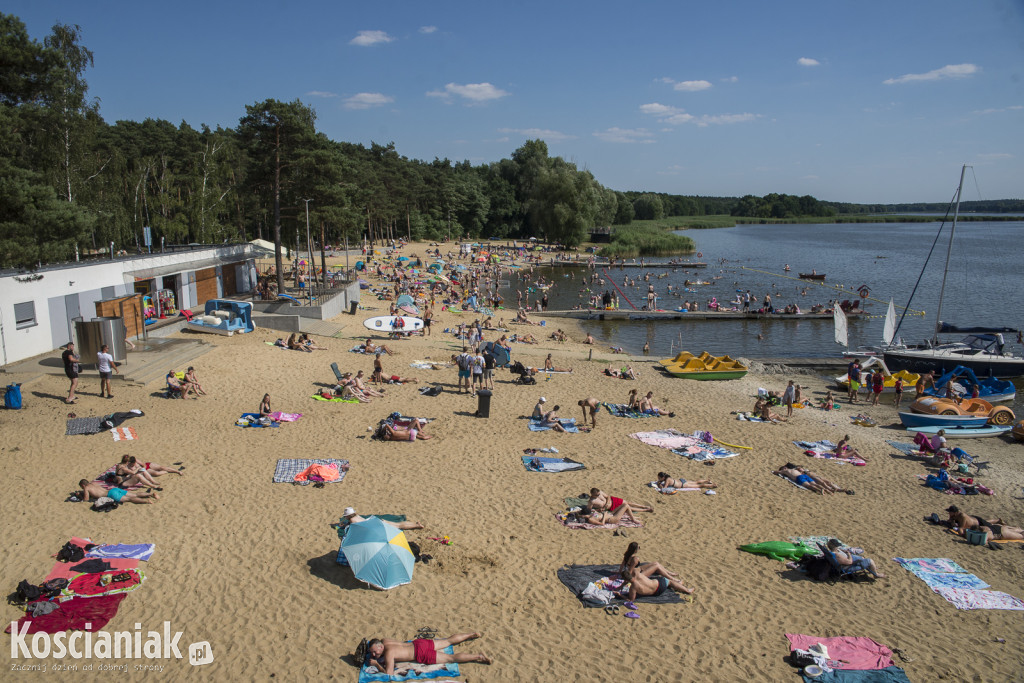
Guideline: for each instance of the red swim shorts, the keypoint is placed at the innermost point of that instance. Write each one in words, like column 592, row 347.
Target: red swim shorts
column 424, row 651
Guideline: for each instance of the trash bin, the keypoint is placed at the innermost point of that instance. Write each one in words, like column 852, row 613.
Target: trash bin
column 483, row 405
column 353, row 307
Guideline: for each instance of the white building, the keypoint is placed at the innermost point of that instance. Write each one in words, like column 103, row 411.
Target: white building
column 37, row 309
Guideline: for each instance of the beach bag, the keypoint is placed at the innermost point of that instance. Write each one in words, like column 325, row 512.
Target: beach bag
column 27, row 592
column 12, row 397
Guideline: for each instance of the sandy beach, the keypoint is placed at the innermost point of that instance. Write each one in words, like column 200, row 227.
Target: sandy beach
column 249, row 565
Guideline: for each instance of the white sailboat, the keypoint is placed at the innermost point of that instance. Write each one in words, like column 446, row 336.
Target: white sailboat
column 841, row 330
column 982, row 352
column 889, row 331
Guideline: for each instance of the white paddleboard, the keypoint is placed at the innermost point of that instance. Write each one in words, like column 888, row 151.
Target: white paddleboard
column 386, row 323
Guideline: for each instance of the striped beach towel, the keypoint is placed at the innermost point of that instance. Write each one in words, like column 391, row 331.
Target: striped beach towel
column 124, row 434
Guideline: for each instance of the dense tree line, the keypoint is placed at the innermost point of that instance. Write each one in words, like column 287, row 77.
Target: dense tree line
column 1015, row 206
column 69, row 180
column 781, row 206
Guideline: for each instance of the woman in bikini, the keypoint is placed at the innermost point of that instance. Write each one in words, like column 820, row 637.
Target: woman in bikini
column 192, row 382
column 130, row 476
column 667, row 484
column 265, row 406
column 630, row 560
column 632, row 402
column 132, row 466
column 599, row 500
column 599, row 517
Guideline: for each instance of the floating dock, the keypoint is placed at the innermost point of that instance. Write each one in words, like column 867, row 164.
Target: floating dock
column 623, row 314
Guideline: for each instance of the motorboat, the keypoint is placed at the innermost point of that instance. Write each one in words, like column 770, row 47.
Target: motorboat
column 812, row 276
column 917, row 420
column 703, row 367
column 950, row 407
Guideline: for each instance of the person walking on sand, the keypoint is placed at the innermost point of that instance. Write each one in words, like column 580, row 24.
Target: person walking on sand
column 105, row 364
column 898, row 388
column 386, row 653
column 71, row 368
column 593, row 405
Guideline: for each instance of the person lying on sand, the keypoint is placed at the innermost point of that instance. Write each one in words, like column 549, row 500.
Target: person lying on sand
column 667, row 484
column 599, row 517
column 599, row 500
column 961, row 521
column 799, row 476
column 348, row 389
column 1002, row 532
column 91, row 491
column 641, row 585
column 136, row 475
column 151, row 468
column 404, row 434
column 847, row 557
column 549, row 366
column 385, row 653
column 309, row 344
column 521, row 318
column 353, row 518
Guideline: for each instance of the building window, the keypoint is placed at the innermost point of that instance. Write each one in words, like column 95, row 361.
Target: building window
column 24, row 315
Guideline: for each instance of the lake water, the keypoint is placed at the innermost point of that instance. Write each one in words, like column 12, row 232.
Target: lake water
column 983, row 286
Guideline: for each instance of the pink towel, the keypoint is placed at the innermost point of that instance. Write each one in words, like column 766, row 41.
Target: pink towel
column 285, row 417
column 860, row 653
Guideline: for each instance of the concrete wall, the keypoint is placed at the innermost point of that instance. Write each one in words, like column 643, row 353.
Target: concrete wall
column 79, row 286
column 336, row 305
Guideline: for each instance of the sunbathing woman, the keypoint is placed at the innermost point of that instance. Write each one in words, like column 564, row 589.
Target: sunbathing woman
column 265, row 406
column 599, row 517
column 348, row 390
column 764, row 411
column 365, row 390
column 294, row 345
column 843, row 449
column 1001, row 532
column 404, row 434
column 151, row 468
column 599, row 500
column 550, row 419
column 309, row 344
column 130, row 476
column 641, row 585
column 668, row 485
column 630, row 561
column 632, row 402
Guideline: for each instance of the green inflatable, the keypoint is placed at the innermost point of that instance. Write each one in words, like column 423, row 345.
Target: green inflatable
column 779, row 550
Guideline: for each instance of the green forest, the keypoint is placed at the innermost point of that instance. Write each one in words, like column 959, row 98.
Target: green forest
column 71, row 183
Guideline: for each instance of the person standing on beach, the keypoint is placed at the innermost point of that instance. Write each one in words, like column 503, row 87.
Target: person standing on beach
column 898, row 387
column 877, row 384
column 746, row 302
column 853, row 376
column 427, row 315
column 464, row 362
column 71, row 368
column 788, row 396
column 105, row 363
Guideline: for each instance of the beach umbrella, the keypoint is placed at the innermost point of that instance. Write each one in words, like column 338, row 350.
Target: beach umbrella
column 378, row 553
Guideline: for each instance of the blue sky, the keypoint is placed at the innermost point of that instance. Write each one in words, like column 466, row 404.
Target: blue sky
column 861, row 102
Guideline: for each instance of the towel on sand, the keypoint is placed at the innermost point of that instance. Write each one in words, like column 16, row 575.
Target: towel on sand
column 890, row 674
column 124, row 434
column 254, row 420
column 826, row 449
column 564, row 520
column 568, row 424
column 83, row 425
column 131, row 551
column 859, row 653
column 77, row 614
column 623, row 410
column 537, row 464
column 287, row 469
column 416, row 672
column 578, row 576
column 980, row 599
column 335, row 399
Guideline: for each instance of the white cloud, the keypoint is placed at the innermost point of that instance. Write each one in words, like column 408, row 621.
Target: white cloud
column 538, row 133
column 321, row 93
column 808, row 61
column 658, row 109
column 626, row 135
column 674, row 116
column 428, row 29
column 691, row 86
column 731, row 79
column 1015, row 107
column 366, row 38
column 994, row 156
column 948, row 71
column 474, row 92
column 365, row 100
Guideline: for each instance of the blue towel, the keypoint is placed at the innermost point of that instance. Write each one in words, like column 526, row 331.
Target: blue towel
column 538, row 464
column 131, row 551
column 568, row 424
column 446, row 671
column 890, row 674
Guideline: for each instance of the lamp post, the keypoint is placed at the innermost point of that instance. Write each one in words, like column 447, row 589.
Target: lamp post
column 309, row 246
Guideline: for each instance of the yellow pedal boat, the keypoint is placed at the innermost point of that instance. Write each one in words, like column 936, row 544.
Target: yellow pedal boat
column 703, row 367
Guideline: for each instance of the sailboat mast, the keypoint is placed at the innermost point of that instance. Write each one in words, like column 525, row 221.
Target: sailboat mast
column 949, row 251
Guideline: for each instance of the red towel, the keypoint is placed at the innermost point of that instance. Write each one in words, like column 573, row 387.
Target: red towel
column 325, row 472
column 74, row 615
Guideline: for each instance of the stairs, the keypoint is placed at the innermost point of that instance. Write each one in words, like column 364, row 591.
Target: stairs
column 168, row 354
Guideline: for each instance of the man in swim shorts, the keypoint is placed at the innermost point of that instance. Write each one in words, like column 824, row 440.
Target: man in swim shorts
column 353, row 518
column 798, row 476
column 385, row 653
column 93, row 491
column 599, row 500
column 594, row 406
column 648, row 586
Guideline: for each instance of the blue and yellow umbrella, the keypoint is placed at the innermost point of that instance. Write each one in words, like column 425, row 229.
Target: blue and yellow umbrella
column 378, row 553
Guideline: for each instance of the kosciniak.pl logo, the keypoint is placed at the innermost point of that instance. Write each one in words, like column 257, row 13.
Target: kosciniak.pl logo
column 137, row 644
